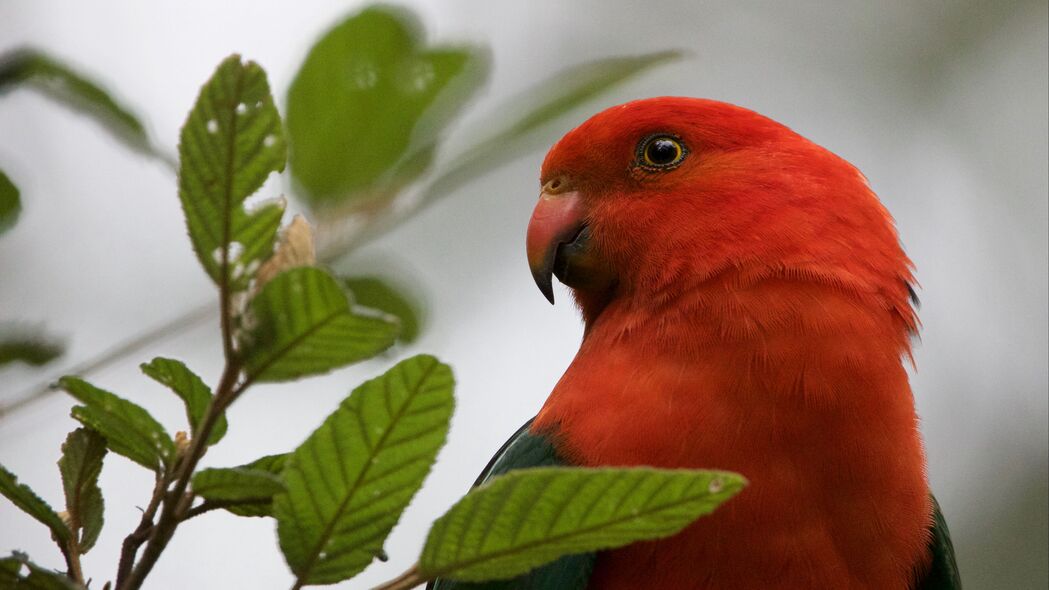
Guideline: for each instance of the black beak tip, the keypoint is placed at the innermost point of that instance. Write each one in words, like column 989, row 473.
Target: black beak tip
column 544, row 280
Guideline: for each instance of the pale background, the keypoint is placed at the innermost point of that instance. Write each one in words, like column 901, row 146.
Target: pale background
column 941, row 104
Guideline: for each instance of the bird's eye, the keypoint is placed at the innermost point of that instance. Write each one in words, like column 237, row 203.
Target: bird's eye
column 660, row 152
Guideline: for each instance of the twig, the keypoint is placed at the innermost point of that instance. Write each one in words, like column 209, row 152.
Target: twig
column 129, row 549
column 407, row 580
column 176, row 503
column 72, row 554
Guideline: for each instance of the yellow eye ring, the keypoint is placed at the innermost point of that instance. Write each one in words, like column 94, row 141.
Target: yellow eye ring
column 660, row 152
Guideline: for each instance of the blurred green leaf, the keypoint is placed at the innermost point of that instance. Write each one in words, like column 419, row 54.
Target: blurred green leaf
column 378, row 293
column 128, row 428
column 541, row 105
column 236, row 484
column 527, row 518
column 10, row 203
column 28, row 345
column 80, row 465
column 304, row 325
column 74, row 90
column 27, row 501
column 369, row 103
column 230, row 143
column 272, row 464
column 37, row 578
column 174, row 375
column 352, row 478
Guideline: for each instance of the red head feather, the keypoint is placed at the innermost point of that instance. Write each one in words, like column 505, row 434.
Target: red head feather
column 751, row 197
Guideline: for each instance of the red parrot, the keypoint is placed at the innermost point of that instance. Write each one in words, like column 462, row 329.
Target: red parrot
column 747, row 307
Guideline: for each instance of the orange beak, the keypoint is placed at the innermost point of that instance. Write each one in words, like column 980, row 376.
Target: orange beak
column 558, row 220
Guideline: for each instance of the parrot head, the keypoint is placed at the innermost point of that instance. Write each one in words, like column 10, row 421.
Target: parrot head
column 649, row 200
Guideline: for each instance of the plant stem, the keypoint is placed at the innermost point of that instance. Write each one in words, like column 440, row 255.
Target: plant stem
column 129, row 549
column 405, row 581
column 176, row 502
column 72, row 554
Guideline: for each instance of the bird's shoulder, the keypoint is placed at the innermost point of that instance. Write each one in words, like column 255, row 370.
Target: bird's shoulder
column 943, row 569
column 523, row 450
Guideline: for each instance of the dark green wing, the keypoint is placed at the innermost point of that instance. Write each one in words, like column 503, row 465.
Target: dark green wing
column 943, row 573
column 525, row 449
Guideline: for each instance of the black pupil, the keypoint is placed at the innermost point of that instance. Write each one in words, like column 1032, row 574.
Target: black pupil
column 662, row 151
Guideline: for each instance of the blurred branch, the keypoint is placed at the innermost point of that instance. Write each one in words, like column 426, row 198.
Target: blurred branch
column 176, row 326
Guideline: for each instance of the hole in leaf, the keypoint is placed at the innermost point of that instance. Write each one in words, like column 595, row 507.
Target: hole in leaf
column 235, row 251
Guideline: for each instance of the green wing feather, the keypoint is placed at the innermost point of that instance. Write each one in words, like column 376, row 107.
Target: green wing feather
column 527, row 449
column 943, row 572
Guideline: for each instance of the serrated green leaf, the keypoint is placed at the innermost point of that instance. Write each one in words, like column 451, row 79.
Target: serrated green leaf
column 27, row 501
column 272, row 464
column 10, row 203
column 128, row 428
column 379, row 294
column 526, row 518
column 352, row 478
column 368, row 103
column 80, row 465
column 174, row 375
column 230, row 143
column 74, row 90
column 304, row 325
column 539, row 106
column 27, row 344
column 236, row 484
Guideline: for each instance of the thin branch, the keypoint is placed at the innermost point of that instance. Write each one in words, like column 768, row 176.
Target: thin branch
column 72, row 554
column 178, row 325
column 176, row 503
column 129, row 549
column 406, row 581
